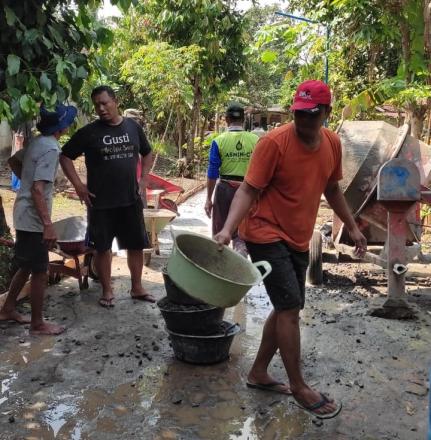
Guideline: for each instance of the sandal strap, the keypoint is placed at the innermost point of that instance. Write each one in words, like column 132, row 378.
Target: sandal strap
column 318, row 404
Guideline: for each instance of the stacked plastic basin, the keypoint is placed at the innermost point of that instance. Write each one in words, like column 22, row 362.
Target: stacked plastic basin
column 201, row 280
column 197, row 331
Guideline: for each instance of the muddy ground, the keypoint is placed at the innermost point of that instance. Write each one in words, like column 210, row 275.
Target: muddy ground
column 112, row 375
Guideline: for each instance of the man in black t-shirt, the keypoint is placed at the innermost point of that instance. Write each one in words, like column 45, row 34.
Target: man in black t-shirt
column 111, row 146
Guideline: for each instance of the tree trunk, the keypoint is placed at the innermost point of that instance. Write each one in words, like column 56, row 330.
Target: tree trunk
column 405, row 40
column 427, row 29
column 195, row 114
column 4, row 228
column 374, row 53
column 6, row 253
column 167, row 125
column 202, row 131
column 180, row 134
column 416, row 116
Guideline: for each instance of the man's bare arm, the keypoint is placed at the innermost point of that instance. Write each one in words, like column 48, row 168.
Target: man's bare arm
column 241, row 204
column 147, row 163
column 211, row 183
column 15, row 165
column 338, row 203
column 70, row 172
column 38, row 197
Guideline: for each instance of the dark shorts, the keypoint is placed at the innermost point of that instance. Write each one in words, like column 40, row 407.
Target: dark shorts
column 31, row 252
column 286, row 282
column 125, row 223
column 223, row 196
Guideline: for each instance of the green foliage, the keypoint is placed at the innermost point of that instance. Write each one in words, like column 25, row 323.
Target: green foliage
column 214, row 26
column 425, row 211
column 159, row 73
column 161, row 147
column 208, row 140
column 124, row 5
column 376, row 51
column 6, row 266
column 265, row 65
column 44, row 53
column 6, row 253
column 294, row 52
column 393, row 91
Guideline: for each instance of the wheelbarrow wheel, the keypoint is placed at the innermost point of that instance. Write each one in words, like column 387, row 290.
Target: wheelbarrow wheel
column 54, row 278
column 92, row 270
column 147, row 258
column 314, row 271
column 169, row 204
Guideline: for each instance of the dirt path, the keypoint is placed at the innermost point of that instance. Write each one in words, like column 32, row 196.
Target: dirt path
column 113, row 376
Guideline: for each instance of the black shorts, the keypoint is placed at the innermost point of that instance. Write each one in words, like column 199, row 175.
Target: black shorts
column 31, row 252
column 125, row 223
column 223, row 196
column 285, row 284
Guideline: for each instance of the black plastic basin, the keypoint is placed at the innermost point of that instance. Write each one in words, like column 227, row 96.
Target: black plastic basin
column 199, row 319
column 209, row 349
column 175, row 294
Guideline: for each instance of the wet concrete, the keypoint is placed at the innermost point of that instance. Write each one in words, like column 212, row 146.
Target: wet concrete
column 112, row 375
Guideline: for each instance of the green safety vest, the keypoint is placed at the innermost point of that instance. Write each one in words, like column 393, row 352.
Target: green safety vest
column 235, row 148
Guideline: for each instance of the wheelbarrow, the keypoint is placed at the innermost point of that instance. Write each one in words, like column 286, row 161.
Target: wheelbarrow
column 157, row 189
column 155, row 221
column 367, row 145
column 76, row 258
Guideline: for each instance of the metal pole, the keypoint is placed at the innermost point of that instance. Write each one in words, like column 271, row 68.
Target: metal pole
column 328, row 33
column 396, row 256
column 295, row 17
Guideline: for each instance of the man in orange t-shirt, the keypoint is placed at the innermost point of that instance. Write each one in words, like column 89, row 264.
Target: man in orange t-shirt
column 290, row 169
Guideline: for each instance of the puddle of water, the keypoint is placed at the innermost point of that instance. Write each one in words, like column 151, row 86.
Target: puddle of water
column 58, row 416
column 18, row 357
column 5, row 386
column 215, row 405
column 76, row 433
column 96, row 411
column 56, row 422
column 248, row 431
column 21, row 354
column 278, row 425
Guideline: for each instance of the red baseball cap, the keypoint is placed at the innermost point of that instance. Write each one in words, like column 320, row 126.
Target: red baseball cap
column 310, row 94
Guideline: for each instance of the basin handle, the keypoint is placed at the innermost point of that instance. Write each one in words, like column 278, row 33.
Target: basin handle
column 266, row 267
column 173, row 234
column 231, row 327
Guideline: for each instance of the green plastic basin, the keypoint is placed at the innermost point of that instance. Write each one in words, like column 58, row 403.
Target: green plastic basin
column 219, row 278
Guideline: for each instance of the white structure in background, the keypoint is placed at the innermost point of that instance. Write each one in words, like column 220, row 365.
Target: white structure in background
column 5, row 138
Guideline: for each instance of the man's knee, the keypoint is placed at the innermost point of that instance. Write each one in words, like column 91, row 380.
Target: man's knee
column 101, row 255
column 23, row 272
column 39, row 277
column 290, row 316
column 137, row 253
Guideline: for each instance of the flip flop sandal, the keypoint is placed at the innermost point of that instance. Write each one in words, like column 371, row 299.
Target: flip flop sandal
column 148, row 297
column 315, row 406
column 107, row 303
column 272, row 387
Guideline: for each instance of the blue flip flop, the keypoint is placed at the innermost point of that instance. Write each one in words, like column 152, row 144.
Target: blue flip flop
column 315, row 406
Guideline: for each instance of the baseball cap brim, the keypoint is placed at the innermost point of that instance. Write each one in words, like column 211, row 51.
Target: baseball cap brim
column 309, row 107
